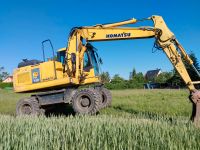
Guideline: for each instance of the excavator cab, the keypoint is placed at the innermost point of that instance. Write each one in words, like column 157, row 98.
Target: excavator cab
column 91, row 62
column 91, row 59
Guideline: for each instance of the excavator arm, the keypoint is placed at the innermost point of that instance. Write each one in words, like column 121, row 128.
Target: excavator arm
column 164, row 39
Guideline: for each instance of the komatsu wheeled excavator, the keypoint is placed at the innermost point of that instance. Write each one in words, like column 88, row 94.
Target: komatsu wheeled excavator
column 63, row 79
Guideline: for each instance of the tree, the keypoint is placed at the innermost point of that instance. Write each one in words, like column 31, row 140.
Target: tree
column 117, row 79
column 139, row 77
column 163, row 77
column 3, row 74
column 117, row 82
column 137, row 81
column 132, row 74
column 105, row 77
column 176, row 78
column 190, row 70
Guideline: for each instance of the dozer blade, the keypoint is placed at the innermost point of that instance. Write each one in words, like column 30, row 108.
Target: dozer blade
column 195, row 99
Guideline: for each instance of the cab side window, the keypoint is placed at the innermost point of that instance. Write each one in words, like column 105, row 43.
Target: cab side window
column 86, row 62
column 61, row 56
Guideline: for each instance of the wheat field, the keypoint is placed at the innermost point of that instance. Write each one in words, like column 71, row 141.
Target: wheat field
column 137, row 119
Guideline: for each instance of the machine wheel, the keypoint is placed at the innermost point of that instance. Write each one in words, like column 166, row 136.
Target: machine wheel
column 86, row 101
column 106, row 98
column 28, row 106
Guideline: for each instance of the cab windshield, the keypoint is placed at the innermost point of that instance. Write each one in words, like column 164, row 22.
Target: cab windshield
column 91, row 59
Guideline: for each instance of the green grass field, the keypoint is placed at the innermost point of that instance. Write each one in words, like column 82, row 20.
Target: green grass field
column 137, row 119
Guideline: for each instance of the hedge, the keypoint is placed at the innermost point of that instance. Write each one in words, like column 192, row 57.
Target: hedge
column 5, row 85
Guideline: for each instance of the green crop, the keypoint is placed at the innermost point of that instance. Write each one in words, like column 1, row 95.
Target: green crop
column 137, row 119
column 97, row 132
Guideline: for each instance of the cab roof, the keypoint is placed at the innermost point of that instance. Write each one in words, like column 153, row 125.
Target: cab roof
column 61, row 49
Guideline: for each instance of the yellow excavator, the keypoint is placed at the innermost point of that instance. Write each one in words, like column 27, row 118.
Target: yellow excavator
column 63, row 78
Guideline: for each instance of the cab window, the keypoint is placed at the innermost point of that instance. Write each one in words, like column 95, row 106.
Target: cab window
column 86, row 62
column 94, row 62
column 61, row 56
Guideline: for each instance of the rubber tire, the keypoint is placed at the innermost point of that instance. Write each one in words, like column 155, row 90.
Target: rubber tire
column 94, row 97
column 34, row 105
column 106, row 98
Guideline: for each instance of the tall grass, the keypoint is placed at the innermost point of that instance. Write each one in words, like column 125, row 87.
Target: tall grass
column 137, row 119
column 96, row 132
column 129, row 102
column 8, row 100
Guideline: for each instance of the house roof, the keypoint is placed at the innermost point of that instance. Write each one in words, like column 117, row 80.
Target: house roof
column 9, row 77
column 151, row 74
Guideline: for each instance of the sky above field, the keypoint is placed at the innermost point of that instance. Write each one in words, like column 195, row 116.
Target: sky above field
column 25, row 24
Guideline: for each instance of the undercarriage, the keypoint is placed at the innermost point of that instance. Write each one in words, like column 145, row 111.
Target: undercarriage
column 83, row 101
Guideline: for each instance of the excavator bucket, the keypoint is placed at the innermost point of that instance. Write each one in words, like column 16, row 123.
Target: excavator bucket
column 195, row 99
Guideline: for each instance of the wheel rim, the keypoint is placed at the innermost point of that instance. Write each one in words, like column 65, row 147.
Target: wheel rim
column 26, row 109
column 84, row 103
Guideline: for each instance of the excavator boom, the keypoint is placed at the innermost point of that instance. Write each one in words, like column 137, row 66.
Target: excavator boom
column 164, row 39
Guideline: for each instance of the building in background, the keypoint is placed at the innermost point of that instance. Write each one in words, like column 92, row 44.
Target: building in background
column 152, row 74
column 9, row 79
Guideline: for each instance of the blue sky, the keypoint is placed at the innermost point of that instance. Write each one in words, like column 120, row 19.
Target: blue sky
column 24, row 24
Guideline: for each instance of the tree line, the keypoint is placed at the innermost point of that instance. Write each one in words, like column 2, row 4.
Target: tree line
column 169, row 79
column 3, row 74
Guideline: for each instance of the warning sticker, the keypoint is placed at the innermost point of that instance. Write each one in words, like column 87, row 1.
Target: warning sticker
column 35, row 75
